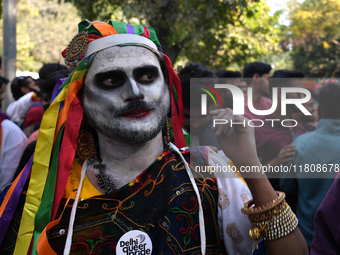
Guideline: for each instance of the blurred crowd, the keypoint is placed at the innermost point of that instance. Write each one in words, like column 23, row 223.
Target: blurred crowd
column 308, row 144
column 304, row 140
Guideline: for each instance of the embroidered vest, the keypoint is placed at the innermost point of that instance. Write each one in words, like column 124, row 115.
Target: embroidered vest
column 160, row 202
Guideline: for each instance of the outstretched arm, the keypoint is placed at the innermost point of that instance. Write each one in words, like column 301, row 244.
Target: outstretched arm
column 239, row 145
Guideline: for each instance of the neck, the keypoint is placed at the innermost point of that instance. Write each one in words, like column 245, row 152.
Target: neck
column 112, row 150
column 256, row 96
column 124, row 162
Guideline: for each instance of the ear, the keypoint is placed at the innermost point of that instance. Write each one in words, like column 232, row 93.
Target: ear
column 256, row 79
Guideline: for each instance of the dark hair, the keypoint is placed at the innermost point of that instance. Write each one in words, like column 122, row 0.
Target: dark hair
column 329, row 101
column 51, row 80
column 17, row 83
column 287, row 74
column 3, row 80
column 228, row 74
column 256, row 67
column 193, row 70
column 48, row 68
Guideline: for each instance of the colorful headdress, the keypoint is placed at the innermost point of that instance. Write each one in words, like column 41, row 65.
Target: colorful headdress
column 57, row 140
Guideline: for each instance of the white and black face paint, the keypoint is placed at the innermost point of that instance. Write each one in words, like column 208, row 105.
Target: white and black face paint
column 125, row 96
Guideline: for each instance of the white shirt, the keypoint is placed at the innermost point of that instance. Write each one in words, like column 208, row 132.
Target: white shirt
column 13, row 144
column 18, row 108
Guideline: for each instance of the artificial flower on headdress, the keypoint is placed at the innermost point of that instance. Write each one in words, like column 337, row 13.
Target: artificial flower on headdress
column 57, row 141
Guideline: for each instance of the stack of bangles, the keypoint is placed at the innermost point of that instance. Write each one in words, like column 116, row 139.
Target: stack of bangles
column 271, row 221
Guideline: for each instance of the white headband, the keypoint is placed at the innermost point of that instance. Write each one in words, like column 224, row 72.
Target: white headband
column 117, row 39
column 78, row 49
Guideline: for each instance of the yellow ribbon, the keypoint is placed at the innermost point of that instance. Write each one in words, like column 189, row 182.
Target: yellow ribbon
column 39, row 173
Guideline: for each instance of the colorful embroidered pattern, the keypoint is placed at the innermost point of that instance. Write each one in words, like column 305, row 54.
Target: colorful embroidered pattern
column 160, row 202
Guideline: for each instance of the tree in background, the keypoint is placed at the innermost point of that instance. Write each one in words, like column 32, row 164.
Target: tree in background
column 43, row 31
column 216, row 33
column 314, row 34
column 254, row 36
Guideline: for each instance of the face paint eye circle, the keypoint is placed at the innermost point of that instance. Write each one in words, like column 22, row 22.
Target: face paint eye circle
column 111, row 82
column 147, row 77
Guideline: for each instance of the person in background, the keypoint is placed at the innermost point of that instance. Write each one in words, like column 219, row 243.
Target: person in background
column 228, row 77
column 26, row 92
column 243, row 86
column 46, row 91
column 318, row 148
column 34, row 113
column 3, row 86
column 273, row 140
column 46, row 94
column 22, row 85
column 311, row 107
column 326, row 238
column 256, row 75
column 49, row 84
column 13, row 143
column 49, row 68
column 196, row 124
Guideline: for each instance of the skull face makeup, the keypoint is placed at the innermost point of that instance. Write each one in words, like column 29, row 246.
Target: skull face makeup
column 125, row 96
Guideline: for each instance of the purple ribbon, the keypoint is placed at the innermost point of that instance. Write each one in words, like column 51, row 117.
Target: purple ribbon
column 11, row 206
column 130, row 29
column 56, row 88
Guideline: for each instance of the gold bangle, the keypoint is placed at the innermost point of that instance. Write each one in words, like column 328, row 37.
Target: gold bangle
column 249, row 207
column 276, row 227
column 272, row 220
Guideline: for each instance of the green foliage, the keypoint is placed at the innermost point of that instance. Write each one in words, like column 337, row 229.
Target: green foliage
column 255, row 34
column 217, row 33
column 318, row 62
column 314, row 21
column 43, row 31
column 313, row 33
column 281, row 60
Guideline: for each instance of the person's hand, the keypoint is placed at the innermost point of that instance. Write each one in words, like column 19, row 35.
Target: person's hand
column 285, row 155
column 239, row 144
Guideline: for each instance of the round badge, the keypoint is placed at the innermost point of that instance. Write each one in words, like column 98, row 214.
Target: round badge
column 134, row 242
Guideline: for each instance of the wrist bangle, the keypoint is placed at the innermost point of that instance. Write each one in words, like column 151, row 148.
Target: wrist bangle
column 249, row 207
column 272, row 221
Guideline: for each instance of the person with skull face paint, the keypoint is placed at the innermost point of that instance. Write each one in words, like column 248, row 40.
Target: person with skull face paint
column 82, row 201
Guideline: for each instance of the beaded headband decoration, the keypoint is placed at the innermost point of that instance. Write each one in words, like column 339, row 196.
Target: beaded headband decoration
column 75, row 50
